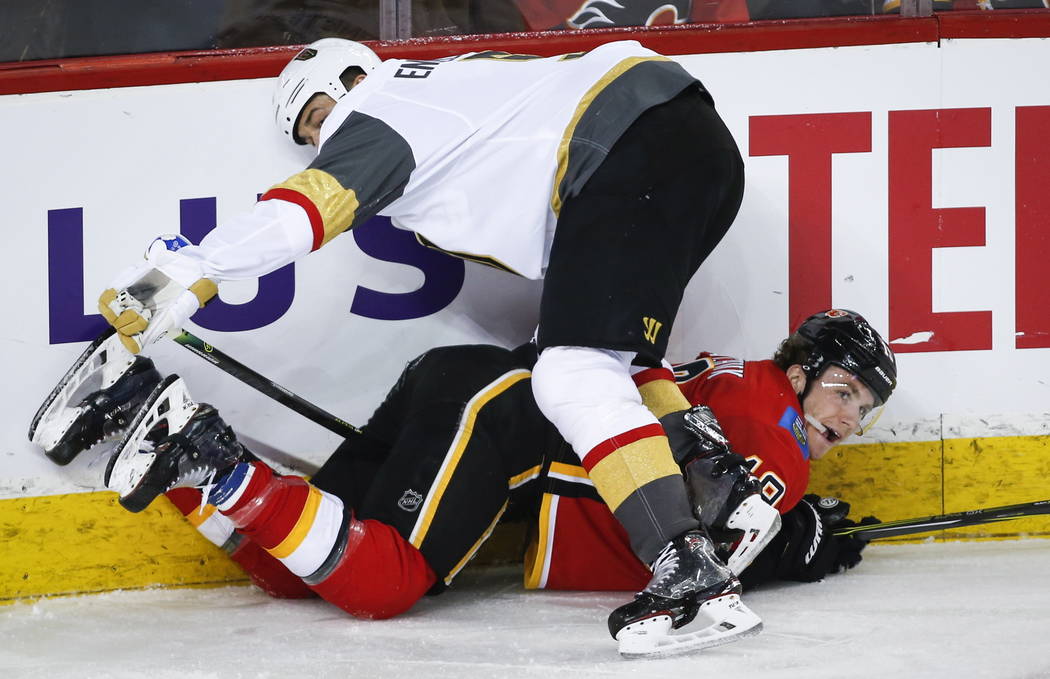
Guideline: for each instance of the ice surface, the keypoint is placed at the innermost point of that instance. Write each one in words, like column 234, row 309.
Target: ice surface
column 960, row 610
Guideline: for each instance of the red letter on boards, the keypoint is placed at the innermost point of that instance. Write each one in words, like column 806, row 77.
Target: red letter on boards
column 1032, row 210
column 916, row 228
column 809, row 140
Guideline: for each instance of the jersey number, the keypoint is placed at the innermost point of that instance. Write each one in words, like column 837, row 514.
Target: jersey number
column 772, row 486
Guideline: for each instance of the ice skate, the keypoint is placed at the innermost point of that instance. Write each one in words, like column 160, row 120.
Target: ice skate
column 728, row 498
column 94, row 401
column 691, row 603
column 757, row 523
column 172, row 443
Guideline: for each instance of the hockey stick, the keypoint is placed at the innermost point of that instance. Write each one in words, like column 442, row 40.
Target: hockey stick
column 268, row 387
column 974, row 517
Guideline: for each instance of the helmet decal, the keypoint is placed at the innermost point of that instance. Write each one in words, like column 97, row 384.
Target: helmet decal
column 316, row 69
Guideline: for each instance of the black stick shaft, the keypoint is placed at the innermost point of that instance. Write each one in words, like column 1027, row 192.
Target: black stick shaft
column 265, row 385
column 926, row 524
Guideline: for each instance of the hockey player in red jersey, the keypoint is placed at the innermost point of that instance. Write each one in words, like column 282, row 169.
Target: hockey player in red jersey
column 459, row 445
column 826, row 382
column 580, row 169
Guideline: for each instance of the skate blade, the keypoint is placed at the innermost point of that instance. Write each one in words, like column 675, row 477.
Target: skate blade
column 169, row 401
column 726, row 620
column 760, row 523
column 105, row 358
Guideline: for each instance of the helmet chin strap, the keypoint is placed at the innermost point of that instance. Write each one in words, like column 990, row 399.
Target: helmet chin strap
column 816, row 423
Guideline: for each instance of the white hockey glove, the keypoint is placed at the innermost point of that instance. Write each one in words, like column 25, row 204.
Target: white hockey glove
column 148, row 300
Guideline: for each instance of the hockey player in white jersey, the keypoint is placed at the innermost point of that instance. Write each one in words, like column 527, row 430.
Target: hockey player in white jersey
column 608, row 174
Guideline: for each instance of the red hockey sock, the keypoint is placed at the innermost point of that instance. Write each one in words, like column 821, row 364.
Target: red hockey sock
column 364, row 567
column 266, row 572
column 379, row 575
column 270, row 506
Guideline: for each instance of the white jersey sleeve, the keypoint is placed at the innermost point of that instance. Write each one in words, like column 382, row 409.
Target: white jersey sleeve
column 274, row 233
column 475, row 153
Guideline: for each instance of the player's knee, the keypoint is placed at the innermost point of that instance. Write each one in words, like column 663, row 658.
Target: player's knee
column 579, row 375
column 379, row 575
column 587, row 394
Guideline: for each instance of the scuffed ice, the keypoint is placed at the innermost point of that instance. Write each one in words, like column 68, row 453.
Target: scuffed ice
column 974, row 610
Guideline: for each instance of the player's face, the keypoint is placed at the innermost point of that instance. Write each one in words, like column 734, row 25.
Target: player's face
column 836, row 406
column 314, row 114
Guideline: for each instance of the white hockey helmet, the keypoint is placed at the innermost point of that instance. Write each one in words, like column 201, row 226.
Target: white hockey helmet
column 316, row 68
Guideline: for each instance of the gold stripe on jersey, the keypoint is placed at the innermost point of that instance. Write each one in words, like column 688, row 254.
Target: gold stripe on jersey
column 197, row 517
column 298, row 533
column 571, row 470
column 537, row 556
column 479, row 259
column 524, row 477
column 630, row 467
column 662, row 397
column 585, row 103
column 336, row 205
column 476, row 546
column 497, row 55
column 571, row 480
column 455, row 452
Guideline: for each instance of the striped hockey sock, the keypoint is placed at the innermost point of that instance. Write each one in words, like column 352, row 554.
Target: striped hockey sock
column 365, row 567
column 266, row 572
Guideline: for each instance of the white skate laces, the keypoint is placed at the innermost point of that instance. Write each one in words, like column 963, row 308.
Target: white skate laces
column 701, row 569
column 206, row 491
column 664, row 566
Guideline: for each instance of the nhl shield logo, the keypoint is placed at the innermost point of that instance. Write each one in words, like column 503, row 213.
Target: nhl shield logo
column 410, row 500
column 828, row 502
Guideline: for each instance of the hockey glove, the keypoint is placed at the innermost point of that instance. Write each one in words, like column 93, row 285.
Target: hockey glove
column 806, row 549
column 148, row 300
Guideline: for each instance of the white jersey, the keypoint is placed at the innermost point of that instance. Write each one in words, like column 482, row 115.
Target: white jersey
column 474, row 153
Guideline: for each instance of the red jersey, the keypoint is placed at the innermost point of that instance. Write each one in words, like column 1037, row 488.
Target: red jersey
column 760, row 415
column 580, row 544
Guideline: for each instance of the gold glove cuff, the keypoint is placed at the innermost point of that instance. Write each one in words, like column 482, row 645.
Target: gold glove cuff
column 104, row 299
column 204, row 289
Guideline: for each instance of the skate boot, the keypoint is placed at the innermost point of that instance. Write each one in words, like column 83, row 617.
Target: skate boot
column 728, row 500
column 115, row 382
column 172, row 443
column 691, row 593
column 726, row 496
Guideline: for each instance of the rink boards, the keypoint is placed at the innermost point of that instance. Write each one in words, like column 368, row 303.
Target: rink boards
column 905, row 180
column 84, row 542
